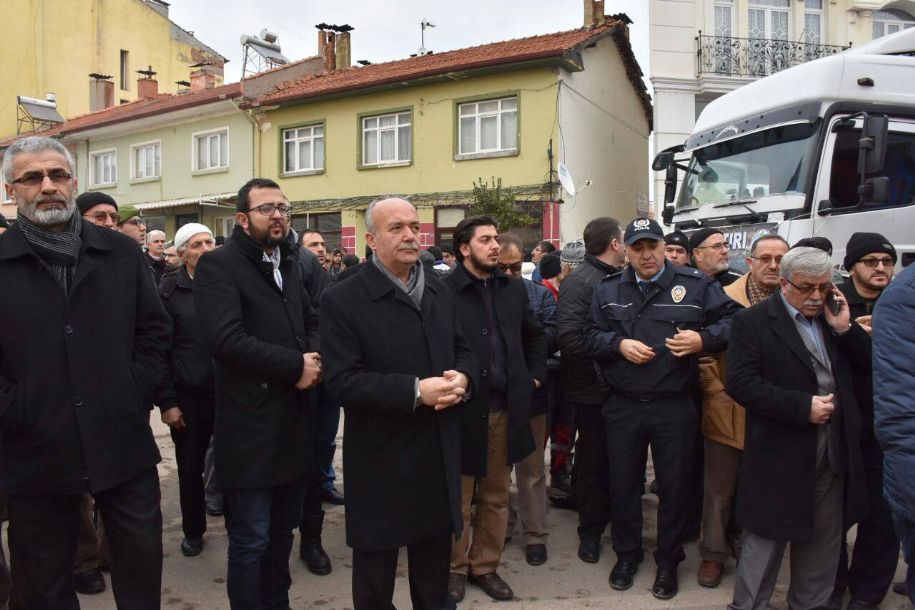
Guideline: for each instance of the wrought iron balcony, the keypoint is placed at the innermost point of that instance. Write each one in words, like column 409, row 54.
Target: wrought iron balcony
column 756, row 57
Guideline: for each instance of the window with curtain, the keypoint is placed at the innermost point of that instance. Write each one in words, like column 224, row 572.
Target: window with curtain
column 146, row 161
column 387, row 139
column 211, row 149
column 890, row 21
column 488, row 126
column 303, row 149
column 103, row 167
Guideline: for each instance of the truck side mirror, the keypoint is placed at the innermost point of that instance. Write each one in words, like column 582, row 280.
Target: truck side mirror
column 662, row 160
column 670, row 183
column 876, row 191
column 872, row 143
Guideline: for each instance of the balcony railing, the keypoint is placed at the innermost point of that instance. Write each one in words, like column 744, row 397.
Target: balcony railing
column 756, row 57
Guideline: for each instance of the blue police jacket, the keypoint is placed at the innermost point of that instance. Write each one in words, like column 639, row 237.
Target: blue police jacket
column 680, row 298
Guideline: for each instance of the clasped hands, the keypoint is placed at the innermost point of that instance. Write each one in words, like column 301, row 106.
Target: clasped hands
column 443, row 392
column 684, row 343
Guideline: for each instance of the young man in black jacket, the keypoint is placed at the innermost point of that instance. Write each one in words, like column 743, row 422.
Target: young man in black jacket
column 262, row 332
column 581, row 387
column 495, row 427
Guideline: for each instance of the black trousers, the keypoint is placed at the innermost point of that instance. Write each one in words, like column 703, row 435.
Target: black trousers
column 43, row 531
column 311, row 505
column 876, row 552
column 669, row 425
column 590, row 472
column 191, row 443
column 429, row 565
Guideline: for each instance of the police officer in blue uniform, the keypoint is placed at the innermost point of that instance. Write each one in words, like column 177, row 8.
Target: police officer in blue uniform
column 647, row 324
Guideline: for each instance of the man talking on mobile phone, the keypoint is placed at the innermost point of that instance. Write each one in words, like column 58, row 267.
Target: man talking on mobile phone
column 790, row 364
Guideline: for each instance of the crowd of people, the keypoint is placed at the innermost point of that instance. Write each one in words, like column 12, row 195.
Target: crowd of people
column 777, row 404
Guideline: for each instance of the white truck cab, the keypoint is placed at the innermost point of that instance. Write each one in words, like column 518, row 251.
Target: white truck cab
column 826, row 148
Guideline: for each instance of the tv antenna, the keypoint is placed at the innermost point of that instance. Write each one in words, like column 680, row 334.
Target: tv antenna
column 425, row 23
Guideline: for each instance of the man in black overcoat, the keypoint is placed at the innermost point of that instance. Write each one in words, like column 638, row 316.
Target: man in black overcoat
column 510, row 345
column 262, row 332
column 81, row 352
column 790, row 365
column 395, row 358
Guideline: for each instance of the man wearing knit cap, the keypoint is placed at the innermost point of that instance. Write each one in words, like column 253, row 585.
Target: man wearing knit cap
column 551, row 273
column 676, row 248
column 869, row 259
column 98, row 208
column 710, row 255
column 186, row 394
column 131, row 224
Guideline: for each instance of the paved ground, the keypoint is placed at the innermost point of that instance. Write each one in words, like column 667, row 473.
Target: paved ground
column 563, row 582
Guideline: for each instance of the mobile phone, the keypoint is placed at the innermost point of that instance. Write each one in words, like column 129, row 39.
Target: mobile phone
column 832, row 304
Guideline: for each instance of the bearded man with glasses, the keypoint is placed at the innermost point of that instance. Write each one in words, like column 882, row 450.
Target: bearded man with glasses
column 75, row 392
column 262, row 332
column 709, row 250
column 869, row 259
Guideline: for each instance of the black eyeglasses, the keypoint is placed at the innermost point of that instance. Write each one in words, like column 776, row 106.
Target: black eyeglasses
column 767, row 260
column 57, row 176
column 515, row 268
column 267, row 209
column 886, row 261
column 133, row 221
column 823, row 289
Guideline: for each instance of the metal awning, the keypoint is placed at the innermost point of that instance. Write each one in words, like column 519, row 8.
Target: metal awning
column 219, row 200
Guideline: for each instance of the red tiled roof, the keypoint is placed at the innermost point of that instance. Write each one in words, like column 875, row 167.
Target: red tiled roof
column 497, row 53
column 164, row 102
column 545, row 46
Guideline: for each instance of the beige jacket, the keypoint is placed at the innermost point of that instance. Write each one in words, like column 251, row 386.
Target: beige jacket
column 723, row 420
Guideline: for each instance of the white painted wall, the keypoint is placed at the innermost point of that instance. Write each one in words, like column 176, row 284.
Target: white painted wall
column 604, row 138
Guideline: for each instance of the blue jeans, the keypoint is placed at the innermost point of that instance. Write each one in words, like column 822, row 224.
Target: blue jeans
column 326, row 438
column 259, row 522
column 905, row 529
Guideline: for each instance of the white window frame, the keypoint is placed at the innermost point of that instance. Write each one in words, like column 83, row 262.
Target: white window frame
column 313, row 140
column 4, row 197
column 501, row 148
column 93, row 155
column 223, row 225
column 200, row 135
column 398, row 125
column 157, row 166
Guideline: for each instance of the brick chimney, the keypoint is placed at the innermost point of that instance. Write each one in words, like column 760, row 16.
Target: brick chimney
column 330, row 52
column 343, row 50
column 147, row 88
column 594, row 13
column 322, row 42
column 202, row 79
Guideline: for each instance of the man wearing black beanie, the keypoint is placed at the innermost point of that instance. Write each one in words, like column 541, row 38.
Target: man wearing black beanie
column 709, row 250
column 869, row 259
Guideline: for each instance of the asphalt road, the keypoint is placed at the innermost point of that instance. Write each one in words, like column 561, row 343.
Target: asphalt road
column 198, row 583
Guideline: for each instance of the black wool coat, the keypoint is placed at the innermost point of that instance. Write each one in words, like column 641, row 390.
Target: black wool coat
column 525, row 349
column 77, row 375
column 401, row 465
column 190, row 366
column 770, row 373
column 257, row 334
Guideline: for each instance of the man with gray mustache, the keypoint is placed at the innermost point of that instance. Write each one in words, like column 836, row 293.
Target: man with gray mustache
column 75, row 389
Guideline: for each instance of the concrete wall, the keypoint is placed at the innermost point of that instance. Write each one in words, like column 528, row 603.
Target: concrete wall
column 53, row 45
column 604, row 139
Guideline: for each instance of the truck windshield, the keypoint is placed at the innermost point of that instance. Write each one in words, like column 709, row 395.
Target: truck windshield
column 768, row 162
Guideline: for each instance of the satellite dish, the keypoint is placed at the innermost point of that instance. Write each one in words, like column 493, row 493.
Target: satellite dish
column 565, row 178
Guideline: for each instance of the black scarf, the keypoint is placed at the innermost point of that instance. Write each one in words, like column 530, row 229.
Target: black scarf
column 58, row 251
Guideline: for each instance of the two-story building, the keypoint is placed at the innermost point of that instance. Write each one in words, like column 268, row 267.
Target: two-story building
column 702, row 49
column 426, row 128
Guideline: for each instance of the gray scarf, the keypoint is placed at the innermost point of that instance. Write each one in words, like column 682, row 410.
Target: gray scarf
column 58, row 251
column 415, row 284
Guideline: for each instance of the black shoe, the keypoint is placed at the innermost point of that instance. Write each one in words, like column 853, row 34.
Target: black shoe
column 214, row 511
column 566, row 502
column 191, row 547
column 589, row 550
column 332, row 496
column 899, row 588
column 623, row 573
column 857, row 604
column 457, row 584
column 535, row 554
column 310, row 549
column 89, row 582
column 665, row 583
